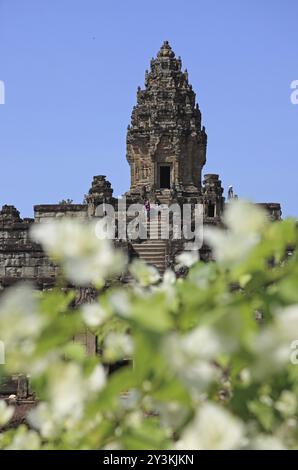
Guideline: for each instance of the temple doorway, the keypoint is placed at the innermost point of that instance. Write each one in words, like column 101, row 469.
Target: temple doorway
column 165, row 177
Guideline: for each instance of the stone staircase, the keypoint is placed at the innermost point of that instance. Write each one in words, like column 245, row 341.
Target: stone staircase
column 153, row 250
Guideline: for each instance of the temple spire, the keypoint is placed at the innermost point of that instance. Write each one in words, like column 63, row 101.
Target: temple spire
column 166, row 144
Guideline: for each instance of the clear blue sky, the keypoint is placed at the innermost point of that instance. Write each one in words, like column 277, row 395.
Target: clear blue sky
column 71, row 69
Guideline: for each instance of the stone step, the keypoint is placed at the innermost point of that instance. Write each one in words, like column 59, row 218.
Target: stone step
column 156, row 230
column 154, row 261
column 161, row 251
column 154, row 234
column 156, row 238
column 154, row 258
column 156, row 223
column 161, row 254
column 152, row 241
column 157, row 264
column 152, row 247
column 152, row 250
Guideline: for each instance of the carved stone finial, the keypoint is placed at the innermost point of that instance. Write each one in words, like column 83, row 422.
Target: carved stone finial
column 166, row 50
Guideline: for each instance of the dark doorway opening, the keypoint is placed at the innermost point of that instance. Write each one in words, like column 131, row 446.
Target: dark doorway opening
column 165, row 177
column 211, row 210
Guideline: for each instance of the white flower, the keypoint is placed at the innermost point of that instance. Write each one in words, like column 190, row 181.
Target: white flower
column 265, row 442
column 187, row 258
column 67, row 391
column 245, row 223
column 201, row 342
column 198, row 376
column 117, row 346
column 65, row 238
column 273, row 345
column 42, row 418
column 112, row 446
column 229, row 247
column 6, row 413
column 145, row 274
column 93, row 314
column 24, row 440
column 172, row 413
column 245, row 376
column 287, row 323
column 19, row 317
column 39, row 365
column 242, row 217
column 20, row 324
column 167, row 286
column 266, row 400
column 120, row 303
column 134, row 419
column 169, row 278
column 85, row 257
column 97, row 379
column 287, row 403
column 190, row 356
column 213, row 428
column 272, row 353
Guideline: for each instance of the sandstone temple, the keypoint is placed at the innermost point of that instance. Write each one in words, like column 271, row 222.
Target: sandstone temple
column 166, row 152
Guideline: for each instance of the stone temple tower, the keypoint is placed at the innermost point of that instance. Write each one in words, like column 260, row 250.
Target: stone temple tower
column 166, row 143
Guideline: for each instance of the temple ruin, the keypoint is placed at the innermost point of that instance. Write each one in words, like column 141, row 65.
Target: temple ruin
column 166, row 151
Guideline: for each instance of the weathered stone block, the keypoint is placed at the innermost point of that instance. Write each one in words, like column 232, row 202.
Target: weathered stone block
column 13, row 272
column 29, row 272
column 45, row 271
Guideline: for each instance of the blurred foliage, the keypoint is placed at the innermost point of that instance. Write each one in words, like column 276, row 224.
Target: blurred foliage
column 208, row 362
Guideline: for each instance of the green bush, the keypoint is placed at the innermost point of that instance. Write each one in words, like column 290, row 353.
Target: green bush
column 209, row 362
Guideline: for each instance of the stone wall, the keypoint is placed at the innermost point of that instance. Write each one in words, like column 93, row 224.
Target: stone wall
column 22, row 259
column 50, row 211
